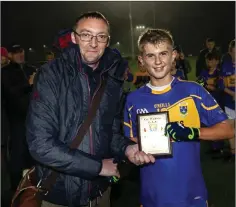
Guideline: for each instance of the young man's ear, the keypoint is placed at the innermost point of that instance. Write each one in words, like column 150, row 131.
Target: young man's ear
column 174, row 54
column 73, row 37
column 140, row 58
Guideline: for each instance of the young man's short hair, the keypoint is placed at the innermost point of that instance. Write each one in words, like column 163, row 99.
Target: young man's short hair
column 210, row 40
column 231, row 45
column 212, row 56
column 154, row 36
column 94, row 15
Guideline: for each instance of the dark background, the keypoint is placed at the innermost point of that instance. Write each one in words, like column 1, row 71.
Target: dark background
column 34, row 24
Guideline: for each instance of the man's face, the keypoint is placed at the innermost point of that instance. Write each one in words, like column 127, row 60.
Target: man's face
column 49, row 57
column 157, row 59
column 18, row 57
column 93, row 50
column 210, row 45
column 4, row 61
column 212, row 64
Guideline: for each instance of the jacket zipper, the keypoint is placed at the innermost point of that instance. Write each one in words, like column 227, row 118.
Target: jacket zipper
column 90, row 128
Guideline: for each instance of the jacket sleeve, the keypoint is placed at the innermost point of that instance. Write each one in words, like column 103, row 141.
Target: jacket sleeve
column 43, row 129
column 119, row 141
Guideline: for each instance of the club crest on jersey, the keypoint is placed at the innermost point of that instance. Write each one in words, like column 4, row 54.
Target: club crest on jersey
column 183, row 108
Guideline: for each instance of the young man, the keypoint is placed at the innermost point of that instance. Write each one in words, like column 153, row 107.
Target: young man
column 176, row 181
column 227, row 84
column 64, row 89
column 210, row 79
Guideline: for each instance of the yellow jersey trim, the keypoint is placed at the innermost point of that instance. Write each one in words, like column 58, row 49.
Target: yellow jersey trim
column 130, row 108
column 161, row 92
column 184, row 99
column 127, row 124
column 196, row 96
column 209, row 108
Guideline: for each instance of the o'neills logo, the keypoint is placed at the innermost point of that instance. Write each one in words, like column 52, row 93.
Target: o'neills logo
column 161, row 106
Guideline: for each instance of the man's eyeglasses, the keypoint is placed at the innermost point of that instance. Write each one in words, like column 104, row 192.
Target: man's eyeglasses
column 87, row 37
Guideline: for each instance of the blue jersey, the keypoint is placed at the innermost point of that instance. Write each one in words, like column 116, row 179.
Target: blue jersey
column 227, row 80
column 175, row 181
column 211, row 79
column 180, row 74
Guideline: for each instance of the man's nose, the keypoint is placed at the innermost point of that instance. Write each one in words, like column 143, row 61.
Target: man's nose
column 94, row 41
column 157, row 60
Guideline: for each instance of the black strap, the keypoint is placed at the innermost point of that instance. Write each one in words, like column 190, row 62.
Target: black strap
column 51, row 179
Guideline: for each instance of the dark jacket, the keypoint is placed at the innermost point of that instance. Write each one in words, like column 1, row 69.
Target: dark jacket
column 201, row 61
column 16, row 90
column 59, row 104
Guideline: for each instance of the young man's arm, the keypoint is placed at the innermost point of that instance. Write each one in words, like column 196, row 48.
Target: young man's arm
column 222, row 130
column 219, row 127
column 228, row 91
column 43, row 129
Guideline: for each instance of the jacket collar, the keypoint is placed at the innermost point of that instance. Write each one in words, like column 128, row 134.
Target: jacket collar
column 72, row 57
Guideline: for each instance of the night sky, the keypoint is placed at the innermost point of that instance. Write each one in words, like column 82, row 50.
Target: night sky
column 33, row 24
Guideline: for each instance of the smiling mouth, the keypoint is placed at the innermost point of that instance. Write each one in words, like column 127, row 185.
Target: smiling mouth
column 158, row 69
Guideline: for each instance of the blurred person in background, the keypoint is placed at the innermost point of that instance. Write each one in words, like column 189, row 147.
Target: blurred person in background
column 178, row 73
column 4, row 57
column 181, row 62
column 141, row 77
column 5, row 185
column 50, row 56
column 209, row 79
column 201, row 62
column 17, row 80
column 227, row 84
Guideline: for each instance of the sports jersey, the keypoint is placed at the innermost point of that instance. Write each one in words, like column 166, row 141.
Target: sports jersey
column 227, row 80
column 211, row 79
column 175, row 181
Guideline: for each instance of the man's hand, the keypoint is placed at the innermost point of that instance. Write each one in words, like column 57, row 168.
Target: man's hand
column 138, row 157
column 179, row 132
column 109, row 168
column 31, row 79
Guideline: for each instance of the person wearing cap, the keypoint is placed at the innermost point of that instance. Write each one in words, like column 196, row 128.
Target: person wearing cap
column 4, row 57
column 17, row 81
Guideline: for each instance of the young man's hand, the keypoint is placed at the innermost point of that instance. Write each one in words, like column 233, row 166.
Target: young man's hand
column 179, row 132
column 138, row 157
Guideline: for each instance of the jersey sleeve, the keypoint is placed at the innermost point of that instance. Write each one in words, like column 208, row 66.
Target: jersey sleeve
column 209, row 110
column 130, row 125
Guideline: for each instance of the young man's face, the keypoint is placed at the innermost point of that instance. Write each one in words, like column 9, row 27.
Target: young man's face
column 50, row 57
column 157, row 59
column 91, row 51
column 210, row 45
column 212, row 64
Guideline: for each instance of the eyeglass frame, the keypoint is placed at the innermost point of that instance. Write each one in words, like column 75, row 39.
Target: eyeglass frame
column 92, row 36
